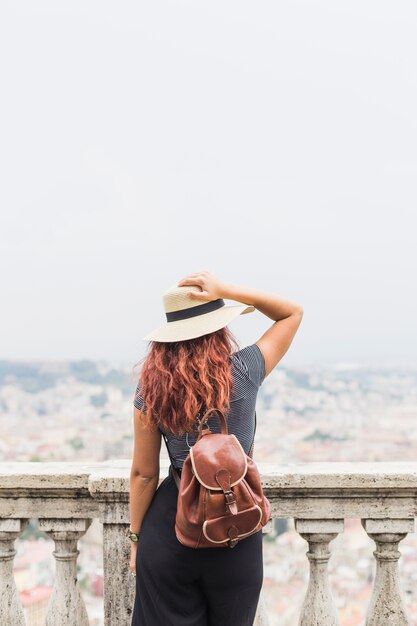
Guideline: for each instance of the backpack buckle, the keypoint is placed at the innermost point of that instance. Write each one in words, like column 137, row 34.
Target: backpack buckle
column 231, row 505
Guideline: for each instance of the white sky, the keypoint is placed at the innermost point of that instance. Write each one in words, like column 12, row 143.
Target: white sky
column 273, row 143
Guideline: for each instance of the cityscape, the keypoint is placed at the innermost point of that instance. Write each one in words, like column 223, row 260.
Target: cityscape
column 82, row 411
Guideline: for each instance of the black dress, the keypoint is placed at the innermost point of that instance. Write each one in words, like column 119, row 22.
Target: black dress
column 181, row 586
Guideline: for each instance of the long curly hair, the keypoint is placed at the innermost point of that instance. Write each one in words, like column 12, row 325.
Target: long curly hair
column 177, row 378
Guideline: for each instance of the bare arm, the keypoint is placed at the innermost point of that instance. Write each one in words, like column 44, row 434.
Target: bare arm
column 144, row 474
column 287, row 315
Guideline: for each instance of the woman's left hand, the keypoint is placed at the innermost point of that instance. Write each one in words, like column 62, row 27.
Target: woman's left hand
column 132, row 563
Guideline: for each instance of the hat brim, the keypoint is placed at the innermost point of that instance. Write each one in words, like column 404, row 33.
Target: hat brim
column 199, row 325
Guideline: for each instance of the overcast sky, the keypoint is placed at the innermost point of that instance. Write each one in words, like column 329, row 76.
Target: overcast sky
column 273, row 143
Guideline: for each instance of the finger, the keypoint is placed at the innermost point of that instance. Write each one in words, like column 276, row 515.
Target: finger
column 184, row 279
column 194, row 275
column 190, row 281
column 197, row 294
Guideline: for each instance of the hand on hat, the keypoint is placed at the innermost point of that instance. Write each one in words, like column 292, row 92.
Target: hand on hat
column 211, row 287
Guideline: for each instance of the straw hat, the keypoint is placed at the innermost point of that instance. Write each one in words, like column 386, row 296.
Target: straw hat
column 188, row 318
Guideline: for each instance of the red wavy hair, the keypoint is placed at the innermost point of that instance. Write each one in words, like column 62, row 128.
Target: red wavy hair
column 177, row 377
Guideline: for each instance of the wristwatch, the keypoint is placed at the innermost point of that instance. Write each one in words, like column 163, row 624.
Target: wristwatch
column 132, row 536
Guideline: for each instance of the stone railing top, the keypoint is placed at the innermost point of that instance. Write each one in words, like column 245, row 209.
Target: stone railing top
column 113, row 476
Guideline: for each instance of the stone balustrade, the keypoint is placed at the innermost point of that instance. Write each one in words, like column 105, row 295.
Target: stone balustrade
column 66, row 497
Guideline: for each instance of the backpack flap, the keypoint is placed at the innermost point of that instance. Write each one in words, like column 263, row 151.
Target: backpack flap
column 214, row 452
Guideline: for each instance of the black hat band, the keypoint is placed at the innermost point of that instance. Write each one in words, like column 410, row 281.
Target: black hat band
column 192, row 311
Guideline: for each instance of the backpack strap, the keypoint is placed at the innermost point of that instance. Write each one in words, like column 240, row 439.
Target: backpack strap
column 253, row 441
column 175, row 473
column 173, row 468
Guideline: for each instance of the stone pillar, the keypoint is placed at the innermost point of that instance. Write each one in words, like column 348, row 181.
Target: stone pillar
column 119, row 584
column 318, row 607
column 66, row 606
column 386, row 607
column 11, row 611
column 261, row 617
column 114, row 515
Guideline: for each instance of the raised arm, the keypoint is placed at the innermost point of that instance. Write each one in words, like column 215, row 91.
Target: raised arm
column 287, row 315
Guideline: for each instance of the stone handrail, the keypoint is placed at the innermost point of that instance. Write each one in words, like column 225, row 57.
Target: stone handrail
column 66, row 497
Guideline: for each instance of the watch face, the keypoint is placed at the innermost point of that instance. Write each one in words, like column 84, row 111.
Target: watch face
column 133, row 536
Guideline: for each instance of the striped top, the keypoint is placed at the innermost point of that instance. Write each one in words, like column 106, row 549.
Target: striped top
column 248, row 370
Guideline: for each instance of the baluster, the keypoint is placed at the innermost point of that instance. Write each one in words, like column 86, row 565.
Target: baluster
column 386, row 607
column 119, row 584
column 11, row 611
column 261, row 617
column 318, row 607
column 66, row 606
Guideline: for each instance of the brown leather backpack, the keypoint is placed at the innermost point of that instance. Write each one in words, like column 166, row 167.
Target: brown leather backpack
column 220, row 496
